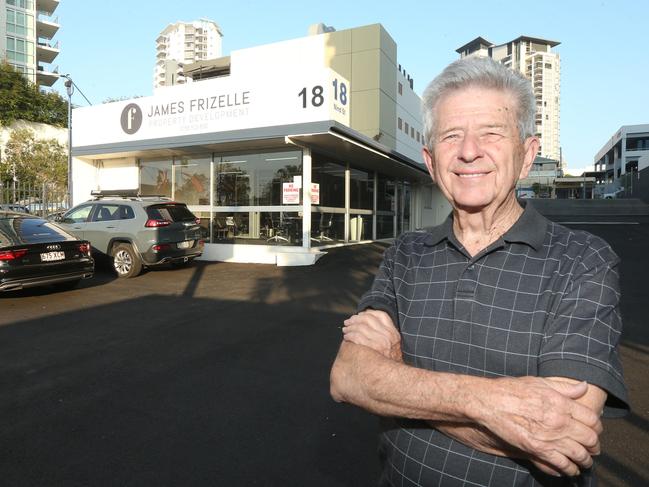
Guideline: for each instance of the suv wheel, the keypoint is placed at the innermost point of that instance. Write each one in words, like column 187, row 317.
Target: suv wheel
column 126, row 261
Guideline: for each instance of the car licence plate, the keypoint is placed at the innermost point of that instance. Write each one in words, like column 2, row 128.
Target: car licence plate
column 185, row 245
column 52, row 256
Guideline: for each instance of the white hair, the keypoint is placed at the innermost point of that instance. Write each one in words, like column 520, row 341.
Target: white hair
column 485, row 73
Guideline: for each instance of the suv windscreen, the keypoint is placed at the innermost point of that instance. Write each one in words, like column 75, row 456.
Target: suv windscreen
column 171, row 212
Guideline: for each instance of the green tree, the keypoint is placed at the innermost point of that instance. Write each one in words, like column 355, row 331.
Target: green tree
column 34, row 161
column 22, row 100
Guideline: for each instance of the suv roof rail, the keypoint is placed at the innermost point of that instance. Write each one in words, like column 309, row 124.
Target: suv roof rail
column 134, row 194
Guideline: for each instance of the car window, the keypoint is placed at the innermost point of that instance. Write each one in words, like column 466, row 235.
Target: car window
column 106, row 212
column 171, row 212
column 78, row 215
column 126, row 212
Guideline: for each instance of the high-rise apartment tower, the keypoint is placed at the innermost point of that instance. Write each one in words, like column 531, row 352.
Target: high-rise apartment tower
column 534, row 58
column 184, row 43
column 27, row 28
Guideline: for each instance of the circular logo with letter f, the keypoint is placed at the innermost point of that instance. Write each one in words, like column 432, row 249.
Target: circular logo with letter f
column 131, row 118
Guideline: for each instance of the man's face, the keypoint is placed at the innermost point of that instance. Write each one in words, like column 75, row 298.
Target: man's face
column 478, row 155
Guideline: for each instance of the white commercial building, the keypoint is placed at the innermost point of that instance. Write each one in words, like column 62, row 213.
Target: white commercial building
column 27, row 29
column 184, row 43
column 533, row 57
column 322, row 150
column 623, row 161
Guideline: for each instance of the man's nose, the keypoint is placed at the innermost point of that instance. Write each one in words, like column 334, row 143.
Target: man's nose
column 470, row 148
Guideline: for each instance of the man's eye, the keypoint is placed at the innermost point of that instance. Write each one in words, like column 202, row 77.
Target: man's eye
column 451, row 137
column 493, row 136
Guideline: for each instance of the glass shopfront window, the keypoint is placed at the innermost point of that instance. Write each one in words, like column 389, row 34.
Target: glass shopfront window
column 191, row 179
column 155, row 176
column 257, row 227
column 386, row 206
column 331, row 178
column 361, row 190
column 254, row 179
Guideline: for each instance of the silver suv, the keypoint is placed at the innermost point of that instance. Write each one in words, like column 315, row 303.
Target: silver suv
column 136, row 231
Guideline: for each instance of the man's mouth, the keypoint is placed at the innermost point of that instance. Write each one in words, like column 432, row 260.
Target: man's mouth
column 472, row 174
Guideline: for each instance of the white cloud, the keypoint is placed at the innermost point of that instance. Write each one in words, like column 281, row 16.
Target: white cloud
column 577, row 170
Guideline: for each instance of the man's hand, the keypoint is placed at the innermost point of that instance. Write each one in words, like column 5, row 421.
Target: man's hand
column 543, row 418
column 374, row 329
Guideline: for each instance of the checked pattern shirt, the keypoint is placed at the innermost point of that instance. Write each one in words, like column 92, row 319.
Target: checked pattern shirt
column 540, row 301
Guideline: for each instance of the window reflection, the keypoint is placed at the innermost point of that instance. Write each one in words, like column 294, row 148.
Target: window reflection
column 155, row 177
column 331, row 178
column 254, row 179
column 192, row 180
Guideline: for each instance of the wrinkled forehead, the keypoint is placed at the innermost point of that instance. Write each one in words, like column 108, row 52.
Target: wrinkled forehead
column 499, row 103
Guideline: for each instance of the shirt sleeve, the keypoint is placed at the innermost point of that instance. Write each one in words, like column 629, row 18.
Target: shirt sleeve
column 381, row 295
column 581, row 340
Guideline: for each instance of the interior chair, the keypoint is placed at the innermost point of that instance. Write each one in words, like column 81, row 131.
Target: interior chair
column 278, row 229
column 324, row 227
column 220, row 229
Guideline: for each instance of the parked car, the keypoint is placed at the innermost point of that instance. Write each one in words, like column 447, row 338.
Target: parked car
column 14, row 207
column 612, row 194
column 35, row 252
column 136, row 231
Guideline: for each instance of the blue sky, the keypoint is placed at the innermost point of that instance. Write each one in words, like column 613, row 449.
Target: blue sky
column 109, row 47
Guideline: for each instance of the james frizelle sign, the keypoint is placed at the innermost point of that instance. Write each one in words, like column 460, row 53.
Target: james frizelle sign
column 221, row 104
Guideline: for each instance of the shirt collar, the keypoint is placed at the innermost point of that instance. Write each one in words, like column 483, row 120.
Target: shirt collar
column 529, row 229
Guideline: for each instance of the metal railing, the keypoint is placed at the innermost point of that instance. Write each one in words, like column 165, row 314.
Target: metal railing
column 40, row 199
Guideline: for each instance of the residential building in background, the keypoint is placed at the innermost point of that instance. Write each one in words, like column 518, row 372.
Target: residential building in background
column 533, row 57
column 185, row 43
column 540, row 181
column 622, row 164
column 27, row 30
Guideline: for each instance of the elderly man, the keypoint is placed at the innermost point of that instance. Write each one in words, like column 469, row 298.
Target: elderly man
column 489, row 343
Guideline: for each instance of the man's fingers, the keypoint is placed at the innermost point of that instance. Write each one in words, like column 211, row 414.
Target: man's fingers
column 382, row 316
column 586, row 437
column 587, row 416
column 561, row 463
column 546, row 468
column 569, row 389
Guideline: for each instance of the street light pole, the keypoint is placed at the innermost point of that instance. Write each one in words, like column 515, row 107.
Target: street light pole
column 69, row 86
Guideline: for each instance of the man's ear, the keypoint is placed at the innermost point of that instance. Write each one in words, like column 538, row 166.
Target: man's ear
column 530, row 148
column 428, row 159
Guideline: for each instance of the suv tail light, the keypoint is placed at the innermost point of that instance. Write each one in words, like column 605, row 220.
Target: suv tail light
column 12, row 254
column 157, row 223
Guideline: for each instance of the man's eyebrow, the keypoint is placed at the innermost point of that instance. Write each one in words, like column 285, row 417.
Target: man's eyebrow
column 449, row 129
column 493, row 126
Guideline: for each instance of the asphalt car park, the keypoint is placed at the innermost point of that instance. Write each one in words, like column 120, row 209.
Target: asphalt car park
column 217, row 374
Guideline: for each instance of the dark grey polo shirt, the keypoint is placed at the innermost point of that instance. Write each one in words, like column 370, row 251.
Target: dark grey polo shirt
column 540, row 301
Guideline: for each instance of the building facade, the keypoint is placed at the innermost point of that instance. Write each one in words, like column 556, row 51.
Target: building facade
column 534, row 58
column 277, row 167
column 623, row 161
column 184, row 43
column 540, row 181
column 27, row 30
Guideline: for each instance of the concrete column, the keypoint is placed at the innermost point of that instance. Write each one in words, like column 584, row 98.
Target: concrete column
column 374, row 203
column 397, row 208
column 347, row 200
column 306, row 197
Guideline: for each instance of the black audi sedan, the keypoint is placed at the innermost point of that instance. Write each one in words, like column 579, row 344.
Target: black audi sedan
column 35, row 252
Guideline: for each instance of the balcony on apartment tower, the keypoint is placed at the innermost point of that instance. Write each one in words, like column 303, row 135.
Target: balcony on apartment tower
column 46, row 50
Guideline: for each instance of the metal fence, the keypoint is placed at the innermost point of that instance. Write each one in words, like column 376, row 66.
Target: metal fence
column 40, row 200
